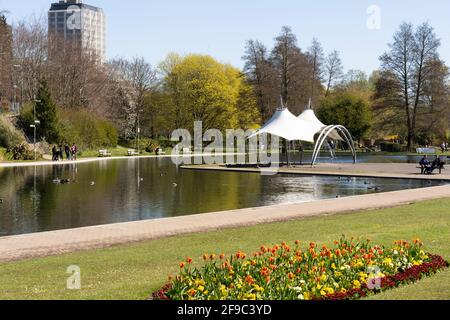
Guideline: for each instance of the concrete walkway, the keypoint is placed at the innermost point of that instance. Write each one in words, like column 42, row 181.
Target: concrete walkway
column 87, row 160
column 61, row 163
column 64, row 241
column 367, row 170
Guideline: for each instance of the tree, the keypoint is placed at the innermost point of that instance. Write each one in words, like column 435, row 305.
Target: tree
column 76, row 78
column 165, row 67
column 348, row 110
column 286, row 58
column 408, row 66
column 333, row 71
column 30, row 48
column 205, row 90
column 136, row 78
column 316, row 60
column 249, row 116
column 436, row 91
column 260, row 74
column 46, row 114
column 5, row 61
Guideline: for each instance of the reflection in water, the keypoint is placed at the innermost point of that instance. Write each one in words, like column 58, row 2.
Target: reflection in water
column 36, row 199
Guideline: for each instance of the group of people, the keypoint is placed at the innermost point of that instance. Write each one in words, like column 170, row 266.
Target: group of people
column 428, row 167
column 58, row 152
column 444, row 147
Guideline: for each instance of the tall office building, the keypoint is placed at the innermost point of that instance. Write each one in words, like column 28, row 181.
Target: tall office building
column 72, row 20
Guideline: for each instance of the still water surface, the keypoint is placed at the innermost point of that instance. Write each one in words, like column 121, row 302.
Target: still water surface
column 130, row 190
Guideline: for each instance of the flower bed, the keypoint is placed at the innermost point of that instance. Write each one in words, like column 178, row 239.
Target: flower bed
column 350, row 270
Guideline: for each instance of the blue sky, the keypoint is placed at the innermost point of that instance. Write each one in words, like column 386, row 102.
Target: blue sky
column 153, row 29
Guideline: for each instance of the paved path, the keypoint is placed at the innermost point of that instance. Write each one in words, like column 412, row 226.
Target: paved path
column 87, row 160
column 374, row 170
column 61, row 163
column 64, row 241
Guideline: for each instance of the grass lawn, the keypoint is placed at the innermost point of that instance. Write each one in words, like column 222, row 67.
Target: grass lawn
column 135, row 271
column 118, row 151
column 115, row 152
column 2, row 154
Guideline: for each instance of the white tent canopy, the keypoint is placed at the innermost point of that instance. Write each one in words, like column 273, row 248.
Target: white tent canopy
column 305, row 127
column 310, row 116
column 285, row 125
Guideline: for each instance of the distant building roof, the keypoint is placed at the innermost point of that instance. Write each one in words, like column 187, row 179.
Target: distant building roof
column 64, row 5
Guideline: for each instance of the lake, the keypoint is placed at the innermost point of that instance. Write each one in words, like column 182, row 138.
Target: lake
column 130, row 190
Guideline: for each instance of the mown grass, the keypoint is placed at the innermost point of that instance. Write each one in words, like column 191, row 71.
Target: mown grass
column 2, row 154
column 118, row 151
column 135, row 271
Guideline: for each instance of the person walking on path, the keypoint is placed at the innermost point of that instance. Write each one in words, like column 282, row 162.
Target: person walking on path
column 54, row 154
column 74, row 151
column 68, row 152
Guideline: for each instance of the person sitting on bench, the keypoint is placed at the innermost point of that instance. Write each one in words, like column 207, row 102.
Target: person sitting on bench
column 425, row 165
column 437, row 164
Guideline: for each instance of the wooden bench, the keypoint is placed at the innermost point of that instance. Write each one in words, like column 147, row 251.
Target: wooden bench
column 132, row 152
column 104, row 153
column 426, row 170
column 161, row 152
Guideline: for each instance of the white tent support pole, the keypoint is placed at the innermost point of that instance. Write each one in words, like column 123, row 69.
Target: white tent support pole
column 286, row 145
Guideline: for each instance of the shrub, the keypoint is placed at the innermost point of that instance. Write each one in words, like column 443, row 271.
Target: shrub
column 9, row 135
column 26, row 119
column 349, row 110
column 166, row 143
column 86, row 130
column 21, row 152
column 149, row 145
column 392, row 147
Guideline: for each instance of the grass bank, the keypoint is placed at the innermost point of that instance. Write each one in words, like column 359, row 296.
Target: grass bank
column 134, row 271
column 2, row 154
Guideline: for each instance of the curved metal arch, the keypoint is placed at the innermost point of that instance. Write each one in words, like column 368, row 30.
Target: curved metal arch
column 324, row 135
column 326, row 132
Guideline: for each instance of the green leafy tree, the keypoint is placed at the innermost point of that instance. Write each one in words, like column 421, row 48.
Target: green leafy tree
column 46, row 114
column 202, row 89
column 249, row 116
column 349, row 110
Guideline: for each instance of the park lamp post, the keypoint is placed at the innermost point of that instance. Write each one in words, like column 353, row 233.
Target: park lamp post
column 138, row 140
column 36, row 123
column 19, row 67
column 138, row 131
column 15, row 98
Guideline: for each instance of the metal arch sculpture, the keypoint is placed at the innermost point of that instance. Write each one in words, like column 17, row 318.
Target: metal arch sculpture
column 324, row 134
